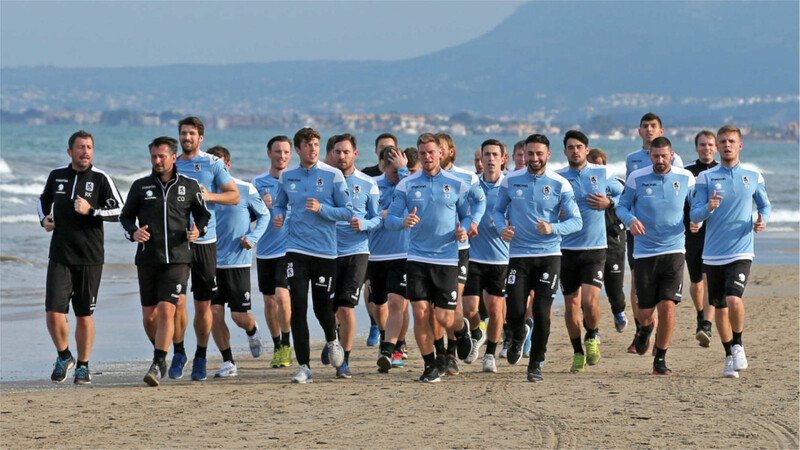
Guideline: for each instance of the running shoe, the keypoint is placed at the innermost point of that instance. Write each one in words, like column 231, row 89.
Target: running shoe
column 430, row 375
column 729, row 371
column 632, row 347
column 155, row 373
column 325, row 356
column 374, row 337
column 739, row 358
column 660, row 368
column 277, row 356
column 286, row 357
column 336, row 353
column 504, row 350
column 489, row 364
column 642, row 341
column 464, row 343
column 703, row 335
column 592, row 352
column 404, row 350
column 526, row 348
column 483, row 326
column 199, row 369
column 535, row 373
column 397, row 360
column 578, row 363
column 441, row 363
column 620, row 321
column 303, row 375
column 476, row 348
column 61, row 368
column 256, row 346
column 82, row 375
column 514, row 351
column 227, row 370
column 451, row 365
column 384, row 363
column 176, row 368
column 343, row 371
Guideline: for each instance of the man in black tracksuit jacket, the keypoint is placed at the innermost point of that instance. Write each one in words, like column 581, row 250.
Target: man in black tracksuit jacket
column 164, row 204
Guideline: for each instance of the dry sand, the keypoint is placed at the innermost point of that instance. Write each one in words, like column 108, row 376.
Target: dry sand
column 614, row 404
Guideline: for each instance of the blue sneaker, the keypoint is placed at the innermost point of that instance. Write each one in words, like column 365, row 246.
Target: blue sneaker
column 199, row 369
column 343, row 371
column 374, row 336
column 61, row 368
column 325, row 358
column 176, row 368
column 620, row 321
column 526, row 348
column 397, row 360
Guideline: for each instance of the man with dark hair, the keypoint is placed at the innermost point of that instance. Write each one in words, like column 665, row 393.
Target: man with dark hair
column 76, row 200
column 530, row 201
column 271, row 256
column 518, row 155
column 705, row 143
column 317, row 196
column 218, row 187
column 614, row 269
column 478, row 162
column 234, row 258
column 155, row 215
column 724, row 200
column 329, row 158
column 650, row 127
column 383, row 140
column 412, row 154
column 433, row 203
column 352, row 240
column 652, row 208
column 583, row 253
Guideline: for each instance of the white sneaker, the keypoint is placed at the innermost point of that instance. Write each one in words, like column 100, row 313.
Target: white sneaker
column 256, row 345
column 489, row 364
column 335, row 353
column 739, row 358
column 303, row 375
column 730, row 372
column 226, row 370
column 476, row 348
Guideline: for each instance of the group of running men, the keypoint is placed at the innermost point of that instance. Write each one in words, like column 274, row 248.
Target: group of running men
column 462, row 247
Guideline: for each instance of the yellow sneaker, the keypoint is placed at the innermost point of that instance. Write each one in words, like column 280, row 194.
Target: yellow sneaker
column 578, row 363
column 286, row 359
column 592, row 352
column 277, row 355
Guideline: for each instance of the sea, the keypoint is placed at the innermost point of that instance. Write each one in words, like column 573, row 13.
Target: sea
column 28, row 153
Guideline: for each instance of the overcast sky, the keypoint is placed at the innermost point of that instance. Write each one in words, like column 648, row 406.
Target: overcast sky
column 146, row 33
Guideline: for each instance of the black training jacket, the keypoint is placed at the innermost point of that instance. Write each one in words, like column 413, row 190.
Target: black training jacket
column 77, row 238
column 615, row 229
column 166, row 209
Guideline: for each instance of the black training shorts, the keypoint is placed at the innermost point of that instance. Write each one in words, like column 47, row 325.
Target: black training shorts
column 72, row 284
column 351, row 271
column 271, row 274
column 658, row 278
column 204, row 271
column 463, row 265
column 581, row 267
column 234, row 289
column 435, row 283
column 162, row 283
column 694, row 256
column 386, row 277
column 728, row 280
column 488, row 277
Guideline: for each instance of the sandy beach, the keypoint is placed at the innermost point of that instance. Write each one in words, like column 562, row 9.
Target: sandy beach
column 614, row 404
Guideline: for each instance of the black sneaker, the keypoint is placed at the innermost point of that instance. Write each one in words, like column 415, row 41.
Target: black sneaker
column 514, row 351
column 61, row 368
column 155, row 373
column 464, row 347
column 535, row 373
column 82, row 375
column 384, row 363
column 704, row 334
column 660, row 368
column 642, row 340
column 441, row 363
column 430, row 375
column 452, row 365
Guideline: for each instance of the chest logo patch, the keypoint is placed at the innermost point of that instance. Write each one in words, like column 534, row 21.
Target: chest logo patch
column 181, row 190
column 319, row 181
column 197, row 167
column 546, row 190
column 745, row 179
column 519, row 191
column 446, row 188
column 60, row 187
column 357, row 189
column 593, row 179
column 418, row 194
column 676, row 185
column 89, row 186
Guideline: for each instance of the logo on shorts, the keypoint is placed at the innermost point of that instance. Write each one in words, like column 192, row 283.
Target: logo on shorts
column 181, row 190
column 177, row 288
column 60, row 187
column 453, row 295
column 89, row 186
column 615, row 267
column 635, row 166
column 417, row 194
column 196, row 167
column 512, row 276
column 519, row 192
column 446, row 188
column 741, row 277
column 292, row 186
column 356, row 189
column 546, row 190
column 463, row 270
column 546, row 276
column 319, row 182
column 247, row 296
column 600, row 274
column 593, row 179
column 289, row 270
column 745, row 179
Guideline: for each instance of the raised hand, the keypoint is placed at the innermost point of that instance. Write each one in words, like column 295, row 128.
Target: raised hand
column 411, row 219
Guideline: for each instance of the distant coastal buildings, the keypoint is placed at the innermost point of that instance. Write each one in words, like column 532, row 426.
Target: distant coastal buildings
column 460, row 124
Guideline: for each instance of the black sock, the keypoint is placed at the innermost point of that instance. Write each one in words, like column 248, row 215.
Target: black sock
column 398, row 347
column 346, row 356
column 577, row 347
column 661, row 353
column 591, row 334
column 159, row 356
column 491, row 348
column 227, row 355
column 251, row 332
column 387, row 348
column 700, row 316
column 727, row 346
column 177, row 348
column 200, row 352
column 707, row 323
column 737, row 338
column 83, row 364
column 372, row 322
column 285, row 338
column 430, row 359
column 276, row 342
column 383, row 335
column 477, row 334
column 451, row 346
column 462, row 331
column 65, row 354
column 401, row 342
column 153, row 341
column 438, row 344
column 638, row 325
